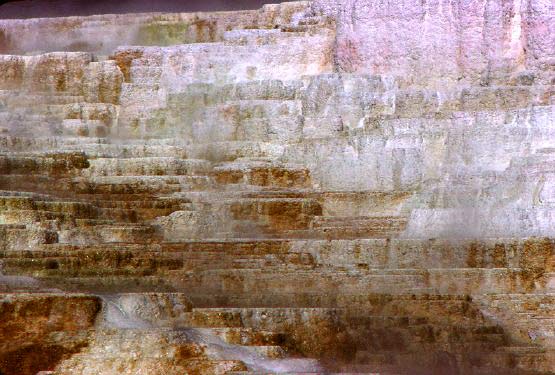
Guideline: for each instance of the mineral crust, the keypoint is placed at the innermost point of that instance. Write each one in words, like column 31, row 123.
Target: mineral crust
column 313, row 187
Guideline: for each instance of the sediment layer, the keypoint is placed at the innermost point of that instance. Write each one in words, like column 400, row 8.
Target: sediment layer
column 313, row 187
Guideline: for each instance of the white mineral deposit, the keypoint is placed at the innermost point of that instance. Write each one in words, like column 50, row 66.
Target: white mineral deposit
column 316, row 187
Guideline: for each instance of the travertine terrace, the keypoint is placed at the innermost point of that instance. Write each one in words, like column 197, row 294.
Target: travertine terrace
column 313, row 187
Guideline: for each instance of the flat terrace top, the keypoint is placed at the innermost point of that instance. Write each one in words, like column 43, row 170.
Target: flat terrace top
column 102, row 33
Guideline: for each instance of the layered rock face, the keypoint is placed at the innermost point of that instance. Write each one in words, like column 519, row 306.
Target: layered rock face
column 312, row 187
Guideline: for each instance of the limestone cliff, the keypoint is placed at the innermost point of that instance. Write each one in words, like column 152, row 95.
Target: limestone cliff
column 348, row 186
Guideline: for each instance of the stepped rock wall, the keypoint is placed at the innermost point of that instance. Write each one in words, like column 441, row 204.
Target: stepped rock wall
column 349, row 186
column 101, row 34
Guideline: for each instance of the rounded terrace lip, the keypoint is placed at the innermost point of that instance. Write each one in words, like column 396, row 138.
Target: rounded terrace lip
column 65, row 8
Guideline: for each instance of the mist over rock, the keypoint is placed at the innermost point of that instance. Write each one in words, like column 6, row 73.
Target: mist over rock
column 309, row 187
column 66, row 8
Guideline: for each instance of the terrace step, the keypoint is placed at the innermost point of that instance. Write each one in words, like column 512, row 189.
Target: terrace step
column 248, row 197
column 147, row 166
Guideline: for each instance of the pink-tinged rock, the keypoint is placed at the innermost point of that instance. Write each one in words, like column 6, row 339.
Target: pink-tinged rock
column 440, row 41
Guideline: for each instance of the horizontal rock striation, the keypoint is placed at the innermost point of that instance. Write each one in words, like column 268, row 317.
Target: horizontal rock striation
column 312, row 187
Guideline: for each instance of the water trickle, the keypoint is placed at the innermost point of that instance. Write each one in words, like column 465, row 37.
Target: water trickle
column 220, row 349
column 117, row 316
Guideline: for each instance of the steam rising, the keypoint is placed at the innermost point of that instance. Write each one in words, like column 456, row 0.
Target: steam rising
column 60, row 8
